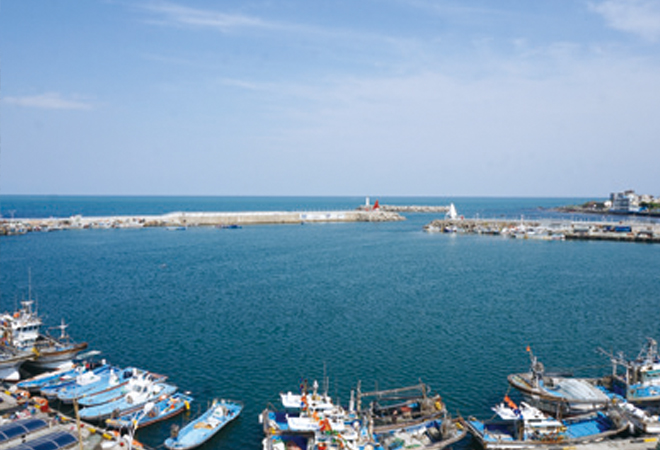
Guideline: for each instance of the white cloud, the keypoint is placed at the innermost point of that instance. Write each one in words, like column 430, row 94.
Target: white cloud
column 640, row 17
column 176, row 15
column 49, row 100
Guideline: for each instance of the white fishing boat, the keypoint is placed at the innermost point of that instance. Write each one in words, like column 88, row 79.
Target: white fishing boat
column 21, row 333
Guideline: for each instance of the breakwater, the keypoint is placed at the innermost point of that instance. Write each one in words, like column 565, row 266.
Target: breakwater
column 408, row 208
column 193, row 219
column 551, row 230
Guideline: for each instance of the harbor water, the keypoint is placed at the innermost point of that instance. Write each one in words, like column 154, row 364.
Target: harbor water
column 247, row 313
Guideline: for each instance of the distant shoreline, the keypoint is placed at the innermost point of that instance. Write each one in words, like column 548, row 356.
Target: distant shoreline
column 604, row 212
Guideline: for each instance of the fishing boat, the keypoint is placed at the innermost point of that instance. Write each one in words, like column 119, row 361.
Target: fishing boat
column 37, row 382
column 153, row 412
column 107, row 383
column 392, row 409
column 644, row 420
column 205, row 426
column 312, row 421
column 54, row 353
column 141, row 393
column 525, row 426
column 84, row 376
column 305, row 412
column 557, row 394
column 636, row 380
column 21, row 333
column 434, row 434
column 134, row 379
column 312, row 400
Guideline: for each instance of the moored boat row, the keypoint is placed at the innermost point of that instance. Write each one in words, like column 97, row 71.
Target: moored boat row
column 555, row 410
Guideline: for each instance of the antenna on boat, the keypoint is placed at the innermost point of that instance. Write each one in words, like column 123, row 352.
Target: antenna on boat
column 63, row 328
column 326, row 381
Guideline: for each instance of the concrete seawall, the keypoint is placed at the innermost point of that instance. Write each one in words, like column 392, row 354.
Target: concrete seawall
column 194, row 219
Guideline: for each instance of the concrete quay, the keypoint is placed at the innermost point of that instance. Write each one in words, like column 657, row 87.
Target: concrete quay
column 551, row 229
column 638, row 443
column 193, row 219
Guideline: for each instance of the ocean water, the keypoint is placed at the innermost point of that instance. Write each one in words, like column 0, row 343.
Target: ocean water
column 245, row 314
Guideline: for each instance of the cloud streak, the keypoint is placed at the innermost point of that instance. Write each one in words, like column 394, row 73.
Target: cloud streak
column 640, row 17
column 171, row 14
column 49, row 100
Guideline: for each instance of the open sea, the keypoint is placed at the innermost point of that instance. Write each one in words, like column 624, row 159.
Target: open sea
column 247, row 313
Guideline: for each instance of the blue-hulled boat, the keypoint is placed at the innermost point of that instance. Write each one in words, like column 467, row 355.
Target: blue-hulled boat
column 141, row 393
column 107, row 382
column 36, row 383
column 152, row 413
column 85, row 375
column 136, row 378
column 524, row 426
column 637, row 380
column 205, row 426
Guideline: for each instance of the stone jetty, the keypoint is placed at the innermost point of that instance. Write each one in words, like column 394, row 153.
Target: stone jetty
column 551, row 229
column 194, row 219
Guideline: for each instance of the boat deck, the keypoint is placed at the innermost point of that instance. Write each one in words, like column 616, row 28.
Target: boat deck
column 571, row 388
column 580, row 429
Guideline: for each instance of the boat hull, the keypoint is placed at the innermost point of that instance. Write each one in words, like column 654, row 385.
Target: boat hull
column 9, row 367
column 55, row 359
column 204, row 427
column 162, row 410
column 502, row 434
column 558, row 395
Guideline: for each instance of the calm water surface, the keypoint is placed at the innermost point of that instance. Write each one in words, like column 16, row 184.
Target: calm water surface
column 246, row 313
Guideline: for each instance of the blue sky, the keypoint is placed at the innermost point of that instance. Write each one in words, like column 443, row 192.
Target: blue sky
column 360, row 97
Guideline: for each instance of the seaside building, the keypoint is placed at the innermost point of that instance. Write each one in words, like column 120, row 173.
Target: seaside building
column 626, row 201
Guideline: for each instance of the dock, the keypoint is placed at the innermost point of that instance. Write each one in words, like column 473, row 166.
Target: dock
column 194, row 219
column 634, row 443
column 551, row 229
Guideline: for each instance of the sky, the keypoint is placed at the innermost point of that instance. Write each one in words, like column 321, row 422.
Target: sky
column 552, row 98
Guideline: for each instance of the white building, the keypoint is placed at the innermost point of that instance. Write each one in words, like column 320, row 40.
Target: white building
column 626, row 201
